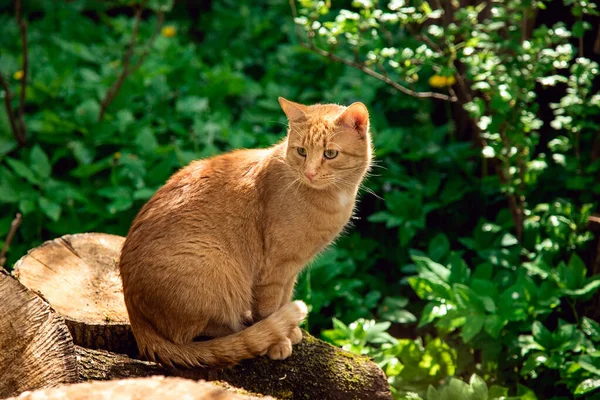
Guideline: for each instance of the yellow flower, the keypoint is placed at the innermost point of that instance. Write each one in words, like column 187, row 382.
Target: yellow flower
column 117, row 155
column 18, row 75
column 169, row 31
column 439, row 81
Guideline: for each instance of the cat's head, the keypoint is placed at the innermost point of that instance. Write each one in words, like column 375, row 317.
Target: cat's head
column 328, row 145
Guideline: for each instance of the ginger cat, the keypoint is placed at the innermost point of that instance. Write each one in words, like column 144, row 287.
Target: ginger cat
column 220, row 245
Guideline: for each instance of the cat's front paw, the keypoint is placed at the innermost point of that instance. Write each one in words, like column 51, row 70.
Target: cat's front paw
column 296, row 335
column 281, row 350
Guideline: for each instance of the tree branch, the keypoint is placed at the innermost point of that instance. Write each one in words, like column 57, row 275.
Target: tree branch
column 378, row 76
column 129, row 69
column 23, row 28
column 9, row 111
column 14, row 225
column 112, row 91
column 362, row 67
column 17, row 122
column 160, row 19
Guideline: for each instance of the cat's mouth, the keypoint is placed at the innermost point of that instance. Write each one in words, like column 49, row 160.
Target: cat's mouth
column 315, row 183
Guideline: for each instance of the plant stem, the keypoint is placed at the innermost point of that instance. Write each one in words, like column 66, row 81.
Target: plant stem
column 14, row 225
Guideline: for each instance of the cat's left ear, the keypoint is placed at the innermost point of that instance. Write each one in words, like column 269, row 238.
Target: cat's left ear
column 355, row 117
column 294, row 111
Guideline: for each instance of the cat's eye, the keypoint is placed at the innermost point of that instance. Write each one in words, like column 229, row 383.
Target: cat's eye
column 330, row 154
column 301, row 151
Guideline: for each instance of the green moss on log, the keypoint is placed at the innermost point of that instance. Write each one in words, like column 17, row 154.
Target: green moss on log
column 316, row 370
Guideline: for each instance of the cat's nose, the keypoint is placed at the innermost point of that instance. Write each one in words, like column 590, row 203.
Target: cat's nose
column 310, row 175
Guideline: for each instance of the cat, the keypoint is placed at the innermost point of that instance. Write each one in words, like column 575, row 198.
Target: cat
column 216, row 251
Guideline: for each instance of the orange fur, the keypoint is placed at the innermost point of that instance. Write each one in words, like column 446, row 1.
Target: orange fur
column 220, row 245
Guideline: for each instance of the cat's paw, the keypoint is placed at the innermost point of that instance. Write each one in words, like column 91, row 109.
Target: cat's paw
column 281, row 350
column 295, row 335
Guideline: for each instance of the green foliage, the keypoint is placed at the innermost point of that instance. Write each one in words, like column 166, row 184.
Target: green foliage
column 469, row 258
column 410, row 365
column 491, row 288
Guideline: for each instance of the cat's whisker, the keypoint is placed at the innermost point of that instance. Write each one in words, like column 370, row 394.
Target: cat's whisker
column 361, row 187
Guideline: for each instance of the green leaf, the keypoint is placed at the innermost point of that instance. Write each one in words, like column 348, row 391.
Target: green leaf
column 458, row 389
column 339, row 325
column 589, row 288
column 146, row 141
column 439, row 247
column 577, row 267
column 497, row 392
column 7, row 145
column 40, row 163
column 143, row 193
column 87, row 112
column 480, row 389
column 542, row 335
column 433, row 394
column 508, row 240
column 120, row 204
column 26, row 206
column 124, row 120
column 392, row 309
column 428, row 290
column 52, row 210
column 459, row 270
column 467, row 299
column 484, row 271
column 493, row 325
column 9, row 193
column 426, row 264
column 431, row 311
column 587, row 386
column 191, row 105
column 22, row 170
column 586, row 363
column 525, row 393
column 472, row 327
column 591, row 328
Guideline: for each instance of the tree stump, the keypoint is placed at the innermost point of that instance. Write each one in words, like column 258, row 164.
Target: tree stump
column 78, row 275
column 157, row 387
column 36, row 350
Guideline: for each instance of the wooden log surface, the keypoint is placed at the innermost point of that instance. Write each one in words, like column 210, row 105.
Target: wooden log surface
column 36, row 350
column 153, row 388
column 78, row 275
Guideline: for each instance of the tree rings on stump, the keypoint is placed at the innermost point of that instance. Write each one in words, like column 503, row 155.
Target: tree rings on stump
column 79, row 276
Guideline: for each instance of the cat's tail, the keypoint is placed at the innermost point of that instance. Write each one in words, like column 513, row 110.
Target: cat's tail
column 222, row 351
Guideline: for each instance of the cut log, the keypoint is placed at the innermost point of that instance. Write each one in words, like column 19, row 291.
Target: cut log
column 157, row 387
column 316, row 370
column 101, row 365
column 79, row 275
column 36, row 350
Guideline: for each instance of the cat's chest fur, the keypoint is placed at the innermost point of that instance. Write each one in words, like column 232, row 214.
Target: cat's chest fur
column 301, row 231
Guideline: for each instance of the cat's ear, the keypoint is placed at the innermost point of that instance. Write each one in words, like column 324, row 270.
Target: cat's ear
column 355, row 117
column 294, row 111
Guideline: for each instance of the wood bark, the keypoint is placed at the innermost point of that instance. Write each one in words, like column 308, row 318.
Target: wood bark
column 36, row 350
column 78, row 275
column 157, row 387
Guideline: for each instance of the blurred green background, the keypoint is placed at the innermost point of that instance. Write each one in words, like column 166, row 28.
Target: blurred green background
column 471, row 270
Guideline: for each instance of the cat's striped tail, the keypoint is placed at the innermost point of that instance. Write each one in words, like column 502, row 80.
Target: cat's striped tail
column 222, row 351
